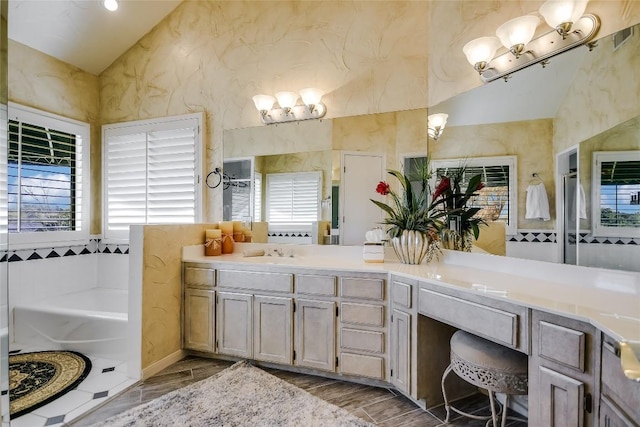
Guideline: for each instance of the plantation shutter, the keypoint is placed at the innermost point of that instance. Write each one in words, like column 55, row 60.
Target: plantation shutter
column 151, row 172
column 293, row 199
column 257, row 197
column 493, row 199
column 43, row 179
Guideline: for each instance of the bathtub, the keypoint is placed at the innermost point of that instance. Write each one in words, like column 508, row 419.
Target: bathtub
column 93, row 322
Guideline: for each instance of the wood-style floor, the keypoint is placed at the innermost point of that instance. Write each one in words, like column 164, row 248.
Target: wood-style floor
column 381, row 406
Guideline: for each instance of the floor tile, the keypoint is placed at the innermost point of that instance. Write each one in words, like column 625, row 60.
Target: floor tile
column 390, row 408
column 358, row 399
column 415, row 418
column 64, row 404
column 28, row 420
column 97, row 383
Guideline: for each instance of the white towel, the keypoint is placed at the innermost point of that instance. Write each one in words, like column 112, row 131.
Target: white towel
column 537, row 202
column 583, row 204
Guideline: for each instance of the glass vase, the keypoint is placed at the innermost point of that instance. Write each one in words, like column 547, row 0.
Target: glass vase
column 457, row 241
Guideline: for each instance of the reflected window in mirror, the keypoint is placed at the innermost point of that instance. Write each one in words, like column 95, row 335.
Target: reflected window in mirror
column 237, row 191
column 257, row 196
column 415, row 168
column 498, row 199
column 293, row 201
column 616, row 193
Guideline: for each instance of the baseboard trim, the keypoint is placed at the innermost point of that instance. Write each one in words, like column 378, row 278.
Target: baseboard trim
column 158, row 366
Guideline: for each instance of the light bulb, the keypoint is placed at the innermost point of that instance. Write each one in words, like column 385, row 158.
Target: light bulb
column 110, row 5
column 480, row 51
column 287, row 100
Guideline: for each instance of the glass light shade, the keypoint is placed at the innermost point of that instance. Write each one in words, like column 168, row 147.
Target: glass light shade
column 437, row 120
column 481, row 49
column 287, row 99
column 517, row 31
column 110, row 5
column 263, row 102
column 556, row 12
column 311, row 96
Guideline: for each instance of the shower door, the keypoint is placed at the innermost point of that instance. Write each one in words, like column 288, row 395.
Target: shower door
column 570, row 233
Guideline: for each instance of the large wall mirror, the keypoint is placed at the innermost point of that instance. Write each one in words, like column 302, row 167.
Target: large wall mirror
column 552, row 119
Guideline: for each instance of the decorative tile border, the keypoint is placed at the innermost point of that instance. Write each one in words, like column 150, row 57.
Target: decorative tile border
column 93, row 246
column 533, row 237
column 287, row 234
column 524, row 236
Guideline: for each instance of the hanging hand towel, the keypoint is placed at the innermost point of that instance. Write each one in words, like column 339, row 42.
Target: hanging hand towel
column 583, row 204
column 537, row 202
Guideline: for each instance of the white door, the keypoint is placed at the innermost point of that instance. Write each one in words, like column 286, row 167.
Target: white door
column 361, row 173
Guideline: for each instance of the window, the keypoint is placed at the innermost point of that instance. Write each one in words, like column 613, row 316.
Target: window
column 498, row 199
column 47, row 179
column 151, row 173
column 293, row 200
column 616, row 193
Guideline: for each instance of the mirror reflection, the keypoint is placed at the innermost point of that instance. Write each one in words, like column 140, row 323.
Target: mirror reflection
column 552, row 120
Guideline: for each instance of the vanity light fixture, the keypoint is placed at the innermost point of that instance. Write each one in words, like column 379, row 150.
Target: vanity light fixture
column 110, row 5
column 435, row 125
column 570, row 29
column 289, row 110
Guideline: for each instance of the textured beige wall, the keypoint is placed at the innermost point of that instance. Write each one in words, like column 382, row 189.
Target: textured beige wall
column 214, row 56
column 604, row 93
column 46, row 83
column 162, row 287
column 453, row 23
column 530, row 141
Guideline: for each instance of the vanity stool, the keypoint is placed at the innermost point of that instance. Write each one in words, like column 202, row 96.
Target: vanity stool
column 487, row 365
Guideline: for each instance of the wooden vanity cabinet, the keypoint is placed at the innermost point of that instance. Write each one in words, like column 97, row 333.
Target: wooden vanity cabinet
column 619, row 395
column 563, row 366
column 363, row 327
column 403, row 336
column 198, row 308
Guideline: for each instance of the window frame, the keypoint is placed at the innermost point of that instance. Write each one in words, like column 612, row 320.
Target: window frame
column 82, row 130
column 150, row 125
column 511, row 228
column 598, row 157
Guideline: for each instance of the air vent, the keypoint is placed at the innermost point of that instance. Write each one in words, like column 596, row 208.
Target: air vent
column 622, row 36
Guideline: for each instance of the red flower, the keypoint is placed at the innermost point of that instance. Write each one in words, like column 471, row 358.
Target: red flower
column 383, row 188
column 444, row 185
column 480, row 186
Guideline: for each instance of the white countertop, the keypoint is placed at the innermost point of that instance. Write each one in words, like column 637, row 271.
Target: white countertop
column 608, row 299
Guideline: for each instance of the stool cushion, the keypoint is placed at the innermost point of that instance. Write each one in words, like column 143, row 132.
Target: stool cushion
column 488, row 365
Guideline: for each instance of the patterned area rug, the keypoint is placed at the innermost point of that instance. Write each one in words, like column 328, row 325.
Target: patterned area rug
column 241, row 395
column 38, row 378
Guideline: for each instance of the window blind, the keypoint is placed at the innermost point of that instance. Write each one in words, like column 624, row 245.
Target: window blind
column 43, row 179
column 257, row 197
column 151, row 174
column 620, row 194
column 493, row 199
column 293, row 199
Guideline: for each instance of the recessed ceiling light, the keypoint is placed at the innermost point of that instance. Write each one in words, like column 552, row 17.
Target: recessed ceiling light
column 111, row 5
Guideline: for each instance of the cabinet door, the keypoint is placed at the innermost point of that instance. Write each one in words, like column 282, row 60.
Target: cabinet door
column 199, row 318
column 316, row 334
column 272, row 329
column 401, row 351
column 559, row 400
column 235, row 322
column 612, row 416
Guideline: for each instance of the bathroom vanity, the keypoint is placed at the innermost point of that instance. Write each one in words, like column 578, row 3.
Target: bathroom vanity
column 326, row 312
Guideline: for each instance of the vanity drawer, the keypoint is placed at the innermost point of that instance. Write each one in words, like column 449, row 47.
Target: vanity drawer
column 361, row 365
column 356, row 287
column 310, row 284
column 196, row 277
column 562, row 345
column 495, row 324
column 353, row 339
column 257, row 280
column 362, row 314
column 401, row 294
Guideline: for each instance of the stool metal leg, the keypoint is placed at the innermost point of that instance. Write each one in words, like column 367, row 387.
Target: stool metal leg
column 450, row 408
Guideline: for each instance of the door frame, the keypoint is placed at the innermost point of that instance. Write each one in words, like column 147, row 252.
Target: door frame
column 561, row 163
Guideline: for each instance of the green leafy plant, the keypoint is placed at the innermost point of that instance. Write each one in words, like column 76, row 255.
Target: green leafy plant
column 452, row 201
column 412, row 210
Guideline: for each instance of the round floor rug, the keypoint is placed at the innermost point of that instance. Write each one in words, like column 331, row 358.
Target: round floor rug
column 38, row 378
